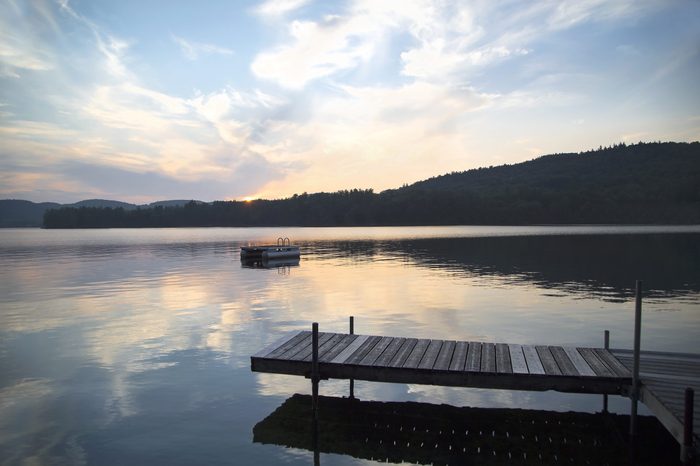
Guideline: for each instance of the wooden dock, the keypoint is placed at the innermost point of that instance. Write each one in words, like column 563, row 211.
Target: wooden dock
column 665, row 382
column 447, row 362
column 664, row 379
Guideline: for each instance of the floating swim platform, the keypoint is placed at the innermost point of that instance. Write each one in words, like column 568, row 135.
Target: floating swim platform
column 282, row 250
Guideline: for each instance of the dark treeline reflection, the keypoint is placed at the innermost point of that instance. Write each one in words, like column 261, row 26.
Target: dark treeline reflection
column 424, row 433
column 605, row 266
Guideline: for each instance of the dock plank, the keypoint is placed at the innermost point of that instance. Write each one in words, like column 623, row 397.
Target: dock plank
column 534, row 365
column 335, row 351
column 659, row 355
column 306, row 353
column 350, row 349
column 431, row 354
column 362, row 351
column 612, row 362
column 276, row 344
column 442, row 363
column 385, row 358
column 664, row 365
column 517, row 359
column 579, row 362
column 503, row 364
column 563, row 361
column 677, row 387
column 282, row 349
column 300, row 346
column 548, row 362
column 403, row 353
column 417, row 354
column 666, row 369
column 657, row 361
column 473, row 357
column 459, row 358
column 598, row 366
column 488, row 357
column 377, row 351
column 325, row 347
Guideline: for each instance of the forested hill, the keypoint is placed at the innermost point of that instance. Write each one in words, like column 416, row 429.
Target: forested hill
column 20, row 213
column 638, row 184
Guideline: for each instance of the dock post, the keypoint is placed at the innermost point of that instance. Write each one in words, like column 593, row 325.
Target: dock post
column 687, row 447
column 606, row 339
column 635, row 367
column 352, row 382
column 314, row 369
column 606, row 345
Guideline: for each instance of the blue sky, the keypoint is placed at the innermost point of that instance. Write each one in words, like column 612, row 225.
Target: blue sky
column 148, row 100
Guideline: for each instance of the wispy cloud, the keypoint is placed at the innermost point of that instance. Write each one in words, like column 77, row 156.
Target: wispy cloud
column 113, row 49
column 23, row 48
column 279, row 7
column 193, row 50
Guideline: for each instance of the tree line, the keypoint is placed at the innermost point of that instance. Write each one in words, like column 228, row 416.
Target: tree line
column 646, row 183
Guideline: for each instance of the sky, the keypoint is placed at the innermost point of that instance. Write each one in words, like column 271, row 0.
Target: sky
column 145, row 100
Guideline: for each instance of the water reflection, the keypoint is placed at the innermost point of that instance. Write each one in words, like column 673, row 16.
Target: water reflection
column 599, row 266
column 282, row 264
column 422, row 433
column 132, row 347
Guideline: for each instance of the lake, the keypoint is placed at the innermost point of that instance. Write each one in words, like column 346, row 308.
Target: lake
column 133, row 346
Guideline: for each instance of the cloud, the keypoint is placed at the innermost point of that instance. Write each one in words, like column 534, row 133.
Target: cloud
column 194, row 50
column 319, row 49
column 449, row 41
column 242, row 177
column 234, row 114
column 568, row 13
column 279, row 7
column 22, row 48
column 402, row 133
column 118, row 137
column 73, row 179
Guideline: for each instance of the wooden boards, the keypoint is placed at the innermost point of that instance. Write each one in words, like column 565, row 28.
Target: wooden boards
column 448, row 362
column 664, row 378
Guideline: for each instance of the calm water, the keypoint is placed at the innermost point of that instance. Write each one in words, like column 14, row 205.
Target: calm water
column 132, row 346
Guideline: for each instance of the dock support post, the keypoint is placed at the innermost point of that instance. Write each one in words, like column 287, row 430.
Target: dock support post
column 606, row 339
column 352, row 382
column 635, row 367
column 687, row 447
column 606, row 345
column 315, row 376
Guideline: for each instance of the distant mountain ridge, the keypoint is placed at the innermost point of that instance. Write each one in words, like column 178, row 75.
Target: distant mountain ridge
column 16, row 213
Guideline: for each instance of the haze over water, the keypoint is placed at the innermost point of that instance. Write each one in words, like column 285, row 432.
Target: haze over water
column 133, row 346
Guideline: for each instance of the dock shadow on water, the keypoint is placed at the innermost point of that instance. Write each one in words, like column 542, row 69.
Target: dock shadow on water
column 423, row 433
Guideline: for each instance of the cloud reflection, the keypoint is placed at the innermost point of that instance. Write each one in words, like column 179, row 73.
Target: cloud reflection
column 133, row 342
